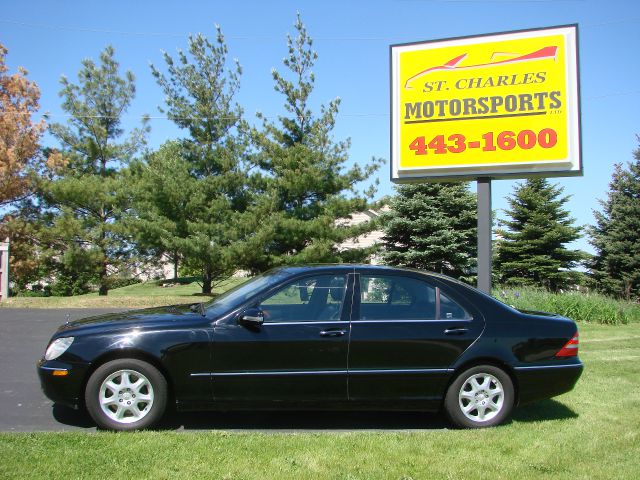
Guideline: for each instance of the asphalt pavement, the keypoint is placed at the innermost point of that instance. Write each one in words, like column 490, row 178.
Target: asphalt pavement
column 24, row 334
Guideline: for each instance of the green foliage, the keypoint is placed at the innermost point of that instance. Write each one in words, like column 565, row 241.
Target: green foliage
column 199, row 92
column 76, row 271
column 579, row 306
column 306, row 186
column 532, row 250
column 615, row 268
column 163, row 192
column 432, row 226
column 85, row 196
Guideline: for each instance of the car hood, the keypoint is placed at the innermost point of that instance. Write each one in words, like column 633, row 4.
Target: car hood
column 147, row 317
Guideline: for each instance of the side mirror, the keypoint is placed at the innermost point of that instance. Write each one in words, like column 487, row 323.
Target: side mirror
column 252, row 317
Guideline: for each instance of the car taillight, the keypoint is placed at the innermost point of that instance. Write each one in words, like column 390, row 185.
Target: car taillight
column 570, row 348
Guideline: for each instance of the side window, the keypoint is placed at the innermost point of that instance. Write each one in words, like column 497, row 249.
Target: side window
column 396, row 298
column 405, row 298
column 309, row 299
column 451, row 310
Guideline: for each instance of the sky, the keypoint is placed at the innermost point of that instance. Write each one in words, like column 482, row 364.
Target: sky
column 352, row 38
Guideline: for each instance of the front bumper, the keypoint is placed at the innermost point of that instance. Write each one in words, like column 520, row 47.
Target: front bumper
column 63, row 389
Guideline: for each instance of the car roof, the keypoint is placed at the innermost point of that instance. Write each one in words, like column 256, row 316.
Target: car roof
column 311, row 267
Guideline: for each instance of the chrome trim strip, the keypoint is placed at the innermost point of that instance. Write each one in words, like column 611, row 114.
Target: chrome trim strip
column 322, row 372
column 391, row 320
column 55, row 369
column 542, row 367
column 243, row 374
column 405, row 370
column 327, row 322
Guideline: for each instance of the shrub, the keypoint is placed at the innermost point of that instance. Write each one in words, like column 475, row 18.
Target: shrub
column 119, row 282
column 580, row 306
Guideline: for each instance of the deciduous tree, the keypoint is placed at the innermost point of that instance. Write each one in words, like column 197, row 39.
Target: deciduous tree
column 19, row 135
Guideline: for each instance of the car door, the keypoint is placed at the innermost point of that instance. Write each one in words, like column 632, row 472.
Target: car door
column 298, row 355
column 405, row 333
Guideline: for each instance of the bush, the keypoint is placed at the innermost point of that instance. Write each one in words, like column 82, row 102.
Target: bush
column 119, row 282
column 579, row 306
column 178, row 281
column 36, row 291
column 67, row 286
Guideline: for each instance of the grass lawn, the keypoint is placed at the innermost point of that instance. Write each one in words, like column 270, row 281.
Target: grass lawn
column 591, row 432
column 140, row 295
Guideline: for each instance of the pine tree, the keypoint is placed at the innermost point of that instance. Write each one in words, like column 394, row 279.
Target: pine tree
column 432, row 226
column 163, row 191
column 533, row 250
column 306, row 187
column 616, row 265
column 200, row 89
column 85, row 196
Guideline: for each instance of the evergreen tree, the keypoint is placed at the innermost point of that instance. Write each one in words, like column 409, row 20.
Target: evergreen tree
column 85, row 195
column 163, row 192
column 432, row 226
column 616, row 265
column 199, row 93
column 533, row 249
column 306, row 187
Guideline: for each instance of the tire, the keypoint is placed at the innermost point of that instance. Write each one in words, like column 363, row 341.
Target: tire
column 480, row 397
column 126, row 394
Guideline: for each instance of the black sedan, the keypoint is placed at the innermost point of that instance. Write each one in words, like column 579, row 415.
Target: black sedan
column 316, row 337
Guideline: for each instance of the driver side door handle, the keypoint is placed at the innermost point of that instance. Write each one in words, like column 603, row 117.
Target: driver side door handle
column 332, row 333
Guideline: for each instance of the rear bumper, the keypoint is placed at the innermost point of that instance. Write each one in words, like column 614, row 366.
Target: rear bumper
column 63, row 389
column 537, row 382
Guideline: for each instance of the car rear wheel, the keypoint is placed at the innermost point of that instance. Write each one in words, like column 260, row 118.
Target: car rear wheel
column 481, row 396
column 126, row 394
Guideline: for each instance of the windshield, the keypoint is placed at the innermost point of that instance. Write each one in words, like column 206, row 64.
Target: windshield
column 239, row 294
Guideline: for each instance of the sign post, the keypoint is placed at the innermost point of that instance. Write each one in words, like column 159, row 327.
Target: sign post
column 4, row 270
column 484, row 235
column 503, row 105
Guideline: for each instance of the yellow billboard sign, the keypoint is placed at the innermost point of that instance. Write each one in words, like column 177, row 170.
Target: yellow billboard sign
column 495, row 105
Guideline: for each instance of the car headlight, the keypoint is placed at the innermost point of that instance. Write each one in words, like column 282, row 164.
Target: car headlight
column 58, row 347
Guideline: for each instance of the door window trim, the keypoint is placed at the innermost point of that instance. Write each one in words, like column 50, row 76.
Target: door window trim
column 357, row 298
column 273, row 291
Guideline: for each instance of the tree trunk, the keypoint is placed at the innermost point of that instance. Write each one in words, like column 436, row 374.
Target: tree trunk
column 207, row 280
column 103, row 288
column 176, row 258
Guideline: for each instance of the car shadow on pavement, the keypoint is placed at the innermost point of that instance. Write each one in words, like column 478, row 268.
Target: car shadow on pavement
column 75, row 418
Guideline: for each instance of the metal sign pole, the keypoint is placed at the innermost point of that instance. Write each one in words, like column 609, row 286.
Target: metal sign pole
column 4, row 270
column 484, row 234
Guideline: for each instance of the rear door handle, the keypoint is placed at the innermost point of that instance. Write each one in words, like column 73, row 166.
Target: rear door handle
column 455, row 331
column 332, row 333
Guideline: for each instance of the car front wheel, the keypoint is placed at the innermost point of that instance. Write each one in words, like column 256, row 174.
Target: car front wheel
column 481, row 396
column 126, row 394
